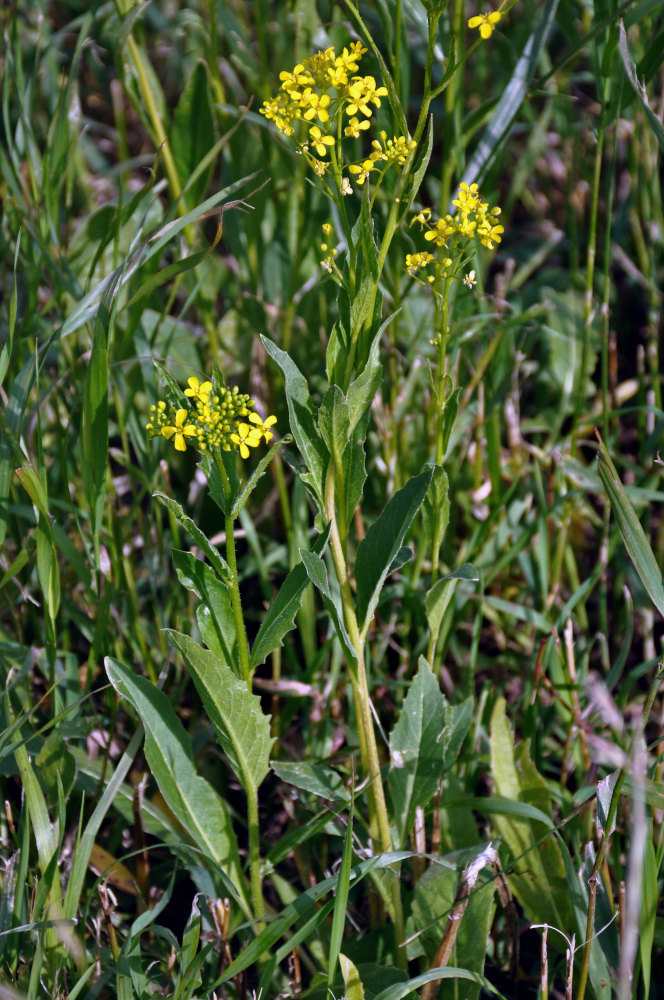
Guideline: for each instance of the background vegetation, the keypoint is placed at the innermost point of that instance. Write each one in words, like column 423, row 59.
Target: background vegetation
column 125, row 130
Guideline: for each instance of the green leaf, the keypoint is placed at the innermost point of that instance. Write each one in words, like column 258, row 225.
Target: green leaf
column 425, row 741
column 361, row 392
column 236, row 713
column 48, row 568
column 315, row 778
column 197, row 576
column 438, row 598
column 340, row 910
column 191, row 799
column 317, row 572
column 11, row 421
column 303, row 907
column 639, row 89
column 280, row 617
column 94, row 429
column 207, row 548
column 416, row 750
column 56, row 767
column 376, row 551
column 634, row 537
column 193, row 133
column 303, row 422
column 354, row 468
column 434, row 896
column 401, row 990
column 250, row 484
column 354, row 989
column 334, row 422
column 537, row 873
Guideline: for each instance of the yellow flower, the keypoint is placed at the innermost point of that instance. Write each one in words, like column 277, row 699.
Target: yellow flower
column 354, row 127
column 199, row 390
column 485, row 22
column 362, row 170
column 316, row 105
column 246, row 437
column 263, row 426
column 179, row 431
column 320, row 141
column 362, row 92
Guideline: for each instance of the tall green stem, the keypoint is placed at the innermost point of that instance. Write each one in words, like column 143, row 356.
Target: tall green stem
column 255, row 861
column 236, row 603
column 378, row 815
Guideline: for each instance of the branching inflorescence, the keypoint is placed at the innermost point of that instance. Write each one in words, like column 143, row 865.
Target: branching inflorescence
column 324, row 101
column 454, row 237
column 221, row 418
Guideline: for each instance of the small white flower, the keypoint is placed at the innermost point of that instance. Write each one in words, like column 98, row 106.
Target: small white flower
column 345, row 186
column 469, row 280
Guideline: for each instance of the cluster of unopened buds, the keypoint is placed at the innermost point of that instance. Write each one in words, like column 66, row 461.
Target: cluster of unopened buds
column 315, row 97
column 452, row 237
column 215, row 418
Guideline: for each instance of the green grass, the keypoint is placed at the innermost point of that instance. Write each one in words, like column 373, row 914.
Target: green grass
column 262, row 716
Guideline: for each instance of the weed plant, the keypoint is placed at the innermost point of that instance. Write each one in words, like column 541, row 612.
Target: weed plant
column 331, row 562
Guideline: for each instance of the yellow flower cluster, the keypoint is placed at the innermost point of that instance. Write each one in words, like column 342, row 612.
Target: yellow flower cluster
column 213, row 419
column 455, row 235
column 318, row 92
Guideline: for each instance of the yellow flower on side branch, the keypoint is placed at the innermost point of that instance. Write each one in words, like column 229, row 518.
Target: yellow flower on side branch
column 485, row 22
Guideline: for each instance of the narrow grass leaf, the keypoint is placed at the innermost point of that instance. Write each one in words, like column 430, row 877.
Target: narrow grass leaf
column 639, row 89
column 376, row 551
column 242, row 727
column 86, row 844
column 634, row 537
column 302, row 908
column 192, row 800
column 11, row 422
column 341, row 902
column 401, row 990
column 193, row 132
column 280, row 617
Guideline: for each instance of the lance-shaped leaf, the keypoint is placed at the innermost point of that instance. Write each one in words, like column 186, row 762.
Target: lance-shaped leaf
column 377, row 550
column 426, row 739
column 634, row 536
column 280, row 617
column 317, row 572
column 219, row 623
column 537, row 873
column 334, row 422
column 236, row 714
column 303, row 423
column 206, row 546
column 191, row 799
